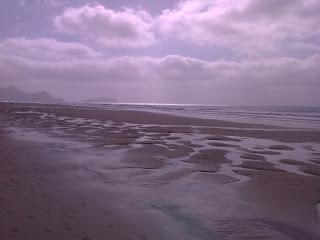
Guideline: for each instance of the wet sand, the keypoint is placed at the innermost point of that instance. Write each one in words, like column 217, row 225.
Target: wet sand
column 85, row 173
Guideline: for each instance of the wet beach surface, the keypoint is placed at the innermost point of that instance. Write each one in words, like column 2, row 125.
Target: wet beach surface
column 83, row 173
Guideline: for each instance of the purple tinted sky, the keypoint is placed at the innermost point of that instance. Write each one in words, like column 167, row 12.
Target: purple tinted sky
column 190, row 51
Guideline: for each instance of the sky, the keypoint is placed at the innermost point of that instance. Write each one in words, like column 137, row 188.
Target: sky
column 220, row 52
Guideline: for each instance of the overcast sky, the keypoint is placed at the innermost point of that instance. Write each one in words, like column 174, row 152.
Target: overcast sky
column 232, row 52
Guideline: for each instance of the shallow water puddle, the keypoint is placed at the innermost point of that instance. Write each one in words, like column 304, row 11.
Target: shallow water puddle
column 27, row 134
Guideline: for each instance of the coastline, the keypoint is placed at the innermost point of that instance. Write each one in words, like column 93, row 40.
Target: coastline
column 281, row 116
column 263, row 180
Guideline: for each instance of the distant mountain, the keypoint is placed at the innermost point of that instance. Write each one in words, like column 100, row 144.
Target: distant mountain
column 14, row 94
column 101, row 100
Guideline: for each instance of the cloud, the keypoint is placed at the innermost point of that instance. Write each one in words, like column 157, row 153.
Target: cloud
column 56, row 3
column 45, row 49
column 170, row 78
column 249, row 26
column 126, row 28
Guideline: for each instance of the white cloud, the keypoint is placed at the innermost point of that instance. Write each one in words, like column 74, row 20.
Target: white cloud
column 22, row 2
column 174, row 77
column 252, row 27
column 45, row 49
column 126, row 28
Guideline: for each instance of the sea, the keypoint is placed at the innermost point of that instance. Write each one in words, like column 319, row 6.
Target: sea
column 288, row 116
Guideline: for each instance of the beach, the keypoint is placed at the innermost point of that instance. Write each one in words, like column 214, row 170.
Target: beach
column 81, row 172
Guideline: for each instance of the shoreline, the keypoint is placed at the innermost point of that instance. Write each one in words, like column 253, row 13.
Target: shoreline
column 181, row 176
column 231, row 115
column 196, row 120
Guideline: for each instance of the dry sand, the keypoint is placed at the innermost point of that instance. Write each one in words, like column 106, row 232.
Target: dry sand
column 84, row 173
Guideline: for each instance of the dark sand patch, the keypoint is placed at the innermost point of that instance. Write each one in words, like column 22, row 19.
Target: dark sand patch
column 263, row 152
column 123, row 142
column 209, row 159
column 315, row 161
column 149, row 142
column 317, row 154
column 303, row 166
column 281, row 147
column 310, row 169
column 307, row 147
column 291, row 162
column 318, row 209
column 165, row 131
column 290, row 136
column 252, row 156
column 177, row 151
column 214, row 178
column 110, row 142
column 155, row 156
column 257, row 165
column 190, row 144
column 220, row 144
column 173, row 138
column 147, row 157
column 158, row 135
column 223, row 138
column 259, row 147
column 172, row 176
